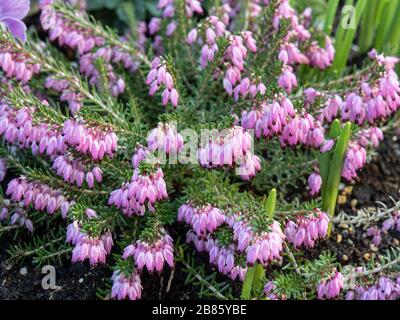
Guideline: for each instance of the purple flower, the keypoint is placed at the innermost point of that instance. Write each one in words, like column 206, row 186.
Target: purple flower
column 11, row 14
column 126, row 287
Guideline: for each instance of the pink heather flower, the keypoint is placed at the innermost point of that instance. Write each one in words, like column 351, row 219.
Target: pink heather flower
column 330, row 288
column 154, row 25
column 90, row 213
column 307, row 229
column 90, row 140
column 74, row 234
column 355, row 159
column 330, row 111
column 193, row 6
column 311, row 94
column 165, row 138
column 171, row 28
column 73, row 171
column 302, row 130
column 287, row 80
column 249, row 166
column 11, row 15
column 140, row 154
column 224, row 259
column 126, row 287
column 144, row 188
column 269, row 291
column 74, row 99
column 89, row 48
column 314, row 182
column 227, row 147
column 375, row 233
column 17, row 64
column 159, row 76
column 3, row 168
column 263, row 247
column 371, row 136
column 319, row 57
column 392, row 222
column 3, row 213
column 152, row 255
column 220, row 256
column 202, row 219
column 199, row 242
column 40, row 196
column 192, row 36
column 89, row 248
column 19, row 217
column 383, row 289
column 327, row 146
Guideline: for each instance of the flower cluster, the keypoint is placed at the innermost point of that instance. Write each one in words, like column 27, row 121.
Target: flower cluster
column 371, row 136
column 279, row 119
column 95, row 141
column 307, row 229
column 330, row 287
column 74, row 99
column 145, row 187
column 384, row 289
column 17, row 65
column 235, row 56
column 89, row 45
column 126, row 286
column 93, row 248
column 205, row 219
column 262, row 247
column 153, row 254
column 20, row 217
column 75, row 172
column 214, row 29
column 355, row 159
column 40, row 196
column 17, row 127
column 227, row 147
column 221, row 256
column 373, row 100
column 159, row 76
column 165, row 138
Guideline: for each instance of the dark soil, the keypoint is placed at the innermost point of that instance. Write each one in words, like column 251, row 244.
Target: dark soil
column 378, row 181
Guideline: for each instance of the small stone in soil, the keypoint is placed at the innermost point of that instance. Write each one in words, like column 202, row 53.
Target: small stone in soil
column 353, row 204
column 339, row 238
column 348, row 190
column 350, row 230
column 373, row 247
column 345, row 258
column 23, row 271
column 80, row 280
column 342, row 199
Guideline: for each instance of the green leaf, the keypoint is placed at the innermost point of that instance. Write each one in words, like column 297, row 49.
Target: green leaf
column 330, row 15
column 258, row 280
column 335, row 170
column 270, row 204
column 345, row 37
column 248, row 284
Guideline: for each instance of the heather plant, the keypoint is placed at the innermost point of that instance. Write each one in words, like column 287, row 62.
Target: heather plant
column 200, row 119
